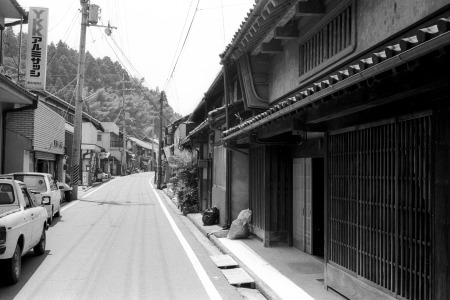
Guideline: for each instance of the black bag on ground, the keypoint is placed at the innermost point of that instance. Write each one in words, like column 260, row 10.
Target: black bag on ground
column 211, row 216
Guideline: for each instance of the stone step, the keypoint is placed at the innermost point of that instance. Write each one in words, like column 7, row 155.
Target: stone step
column 238, row 277
column 224, row 261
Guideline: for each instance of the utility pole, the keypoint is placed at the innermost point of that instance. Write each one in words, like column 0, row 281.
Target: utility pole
column 124, row 152
column 76, row 150
column 161, row 101
column 78, row 122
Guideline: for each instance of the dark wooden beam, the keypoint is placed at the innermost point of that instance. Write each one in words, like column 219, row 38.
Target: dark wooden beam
column 288, row 32
column 310, row 8
column 277, row 128
column 272, row 47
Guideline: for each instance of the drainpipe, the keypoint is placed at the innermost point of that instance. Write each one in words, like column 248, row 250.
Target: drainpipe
column 227, row 151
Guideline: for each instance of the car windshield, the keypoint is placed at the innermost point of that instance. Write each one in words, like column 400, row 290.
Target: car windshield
column 34, row 182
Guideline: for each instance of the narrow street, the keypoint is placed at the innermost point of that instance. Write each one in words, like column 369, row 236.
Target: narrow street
column 118, row 243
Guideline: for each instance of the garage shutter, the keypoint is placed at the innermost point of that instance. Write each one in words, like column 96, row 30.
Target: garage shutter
column 45, row 156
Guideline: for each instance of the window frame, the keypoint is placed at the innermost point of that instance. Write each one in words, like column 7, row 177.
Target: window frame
column 326, row 65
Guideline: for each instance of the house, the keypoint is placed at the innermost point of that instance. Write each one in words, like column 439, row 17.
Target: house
column 223, row 173
column 145, row 153
column 23, row 145
column 112, row 141
column 90, row 146
column 345, row 135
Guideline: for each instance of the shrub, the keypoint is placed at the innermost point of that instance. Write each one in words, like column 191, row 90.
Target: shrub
column 184, row 180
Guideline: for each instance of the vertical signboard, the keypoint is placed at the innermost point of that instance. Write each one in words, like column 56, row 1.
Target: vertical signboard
column 36, row 63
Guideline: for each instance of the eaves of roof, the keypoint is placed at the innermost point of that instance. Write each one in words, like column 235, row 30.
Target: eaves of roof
column 261, row 19
column 140, row 143
column 425, row 41
column 21, row 13
column 178, row 122
column 93, row 120
column 19, row 88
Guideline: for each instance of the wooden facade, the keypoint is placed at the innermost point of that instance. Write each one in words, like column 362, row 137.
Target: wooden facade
column 270, row 193
column 380, row 204
column 350, row 160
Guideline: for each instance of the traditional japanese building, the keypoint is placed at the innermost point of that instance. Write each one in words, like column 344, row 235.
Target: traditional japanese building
column 347, row 131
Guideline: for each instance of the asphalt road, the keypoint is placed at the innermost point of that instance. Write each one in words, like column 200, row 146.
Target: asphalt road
column 120, row 241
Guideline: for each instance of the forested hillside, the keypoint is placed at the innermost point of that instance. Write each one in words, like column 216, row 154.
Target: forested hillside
column 102, row 87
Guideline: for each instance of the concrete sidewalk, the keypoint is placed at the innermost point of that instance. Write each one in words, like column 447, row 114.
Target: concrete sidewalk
column 280, row 272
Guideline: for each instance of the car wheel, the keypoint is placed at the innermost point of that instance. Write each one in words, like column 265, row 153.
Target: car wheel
column 39, row 249
column 67, row 196
column 50, row 218
column 15, row 266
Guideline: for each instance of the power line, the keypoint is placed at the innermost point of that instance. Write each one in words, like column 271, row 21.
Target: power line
column 132, row 66
column 181, row 35
column 184, row 43
column 138, row 85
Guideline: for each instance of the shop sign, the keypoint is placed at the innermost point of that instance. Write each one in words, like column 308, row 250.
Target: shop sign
column 103, row 155
column 36, row 51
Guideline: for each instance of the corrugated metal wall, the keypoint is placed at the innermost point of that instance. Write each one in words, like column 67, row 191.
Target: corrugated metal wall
column 49, row 130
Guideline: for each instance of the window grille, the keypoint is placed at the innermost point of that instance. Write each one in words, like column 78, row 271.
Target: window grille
column 334, row 39
column 380, row 205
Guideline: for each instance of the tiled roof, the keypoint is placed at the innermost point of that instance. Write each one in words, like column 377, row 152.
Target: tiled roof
column 261, row 18
column 199, row 128
column 141, row 143
column 425, row 41
column 212, row 115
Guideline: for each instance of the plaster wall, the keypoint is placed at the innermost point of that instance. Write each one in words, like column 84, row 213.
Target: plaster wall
column 16, row 144
column 376, row 22
column 239, row 183
column 106, row 140
column 379, row 19
column 283, row 71
column 88, row 134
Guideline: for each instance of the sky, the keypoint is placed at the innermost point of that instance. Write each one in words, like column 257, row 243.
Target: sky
column 149, row 38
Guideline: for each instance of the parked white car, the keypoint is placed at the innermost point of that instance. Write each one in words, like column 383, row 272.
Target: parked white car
column 44, row 187
column 22, row 226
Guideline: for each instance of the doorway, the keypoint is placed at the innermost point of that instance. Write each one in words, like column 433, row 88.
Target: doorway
column 308, row 205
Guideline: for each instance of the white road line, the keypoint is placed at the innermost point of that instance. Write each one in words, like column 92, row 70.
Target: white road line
column 209, row 287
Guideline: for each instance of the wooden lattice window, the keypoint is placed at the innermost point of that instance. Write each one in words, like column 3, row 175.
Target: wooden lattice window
column 328, row 41
column 380, row 204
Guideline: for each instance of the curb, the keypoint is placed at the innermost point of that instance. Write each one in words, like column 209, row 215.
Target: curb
column 260, row 284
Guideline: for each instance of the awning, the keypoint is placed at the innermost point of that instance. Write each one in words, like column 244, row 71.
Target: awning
column 424, row 42
column 103, row 155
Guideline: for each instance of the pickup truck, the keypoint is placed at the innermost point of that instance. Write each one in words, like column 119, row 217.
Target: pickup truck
column 22, row 227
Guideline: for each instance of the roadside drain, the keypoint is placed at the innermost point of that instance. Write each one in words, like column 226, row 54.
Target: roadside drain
column 236, row 276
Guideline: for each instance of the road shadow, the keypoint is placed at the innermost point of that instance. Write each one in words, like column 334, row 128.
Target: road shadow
column 56, row 220
column 30, row 264
column 119, row 203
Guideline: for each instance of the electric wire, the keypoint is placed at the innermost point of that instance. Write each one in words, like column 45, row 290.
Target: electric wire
column 132, row 66
column 138, row 85
column 181, row 35
column 182, row 47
